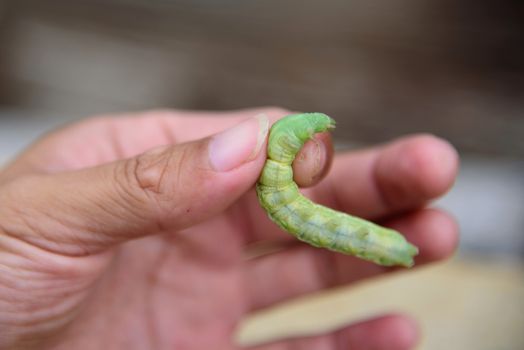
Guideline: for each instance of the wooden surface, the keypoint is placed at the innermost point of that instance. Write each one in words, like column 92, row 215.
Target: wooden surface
column 381, row 68
column 467, row 303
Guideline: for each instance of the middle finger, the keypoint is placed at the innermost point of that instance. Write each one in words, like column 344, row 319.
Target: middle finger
column 303, row 269
column 373, row 183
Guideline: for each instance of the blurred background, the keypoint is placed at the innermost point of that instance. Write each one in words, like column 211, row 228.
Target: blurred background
column 382, row 69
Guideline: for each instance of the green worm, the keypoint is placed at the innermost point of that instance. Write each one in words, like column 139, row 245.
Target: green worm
column 313, row 223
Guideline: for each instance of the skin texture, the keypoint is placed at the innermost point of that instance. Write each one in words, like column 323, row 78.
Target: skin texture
column 312, row 223
column 99, row 248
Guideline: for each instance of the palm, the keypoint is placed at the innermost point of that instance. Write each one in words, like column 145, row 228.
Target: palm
column 176, row 290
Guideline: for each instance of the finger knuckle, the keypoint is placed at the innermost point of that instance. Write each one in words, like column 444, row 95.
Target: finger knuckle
column 150, row 170
column 154, row 174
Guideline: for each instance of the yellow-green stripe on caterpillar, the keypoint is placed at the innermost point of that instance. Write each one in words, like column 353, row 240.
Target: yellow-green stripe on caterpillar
column 313, row 223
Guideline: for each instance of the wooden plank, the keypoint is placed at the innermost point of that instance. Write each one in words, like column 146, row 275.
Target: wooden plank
column 380, row 69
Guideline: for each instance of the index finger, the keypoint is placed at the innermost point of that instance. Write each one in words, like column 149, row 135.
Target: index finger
column 386, row 180
column 375, row 183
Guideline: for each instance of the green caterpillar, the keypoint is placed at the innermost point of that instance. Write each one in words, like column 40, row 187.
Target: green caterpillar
column 312, row 223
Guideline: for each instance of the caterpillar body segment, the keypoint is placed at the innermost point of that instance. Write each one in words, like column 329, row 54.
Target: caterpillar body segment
column 313, row 223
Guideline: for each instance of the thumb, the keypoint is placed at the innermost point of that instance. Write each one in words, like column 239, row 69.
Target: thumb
column 171, row 187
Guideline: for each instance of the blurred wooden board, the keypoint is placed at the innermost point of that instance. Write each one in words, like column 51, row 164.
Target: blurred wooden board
column 381, row 68
column 462, row 304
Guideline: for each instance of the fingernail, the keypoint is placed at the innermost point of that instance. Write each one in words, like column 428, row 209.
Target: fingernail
column 238, row 145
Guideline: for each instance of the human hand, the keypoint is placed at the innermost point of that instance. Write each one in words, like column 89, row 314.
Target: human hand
column 103, row 246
